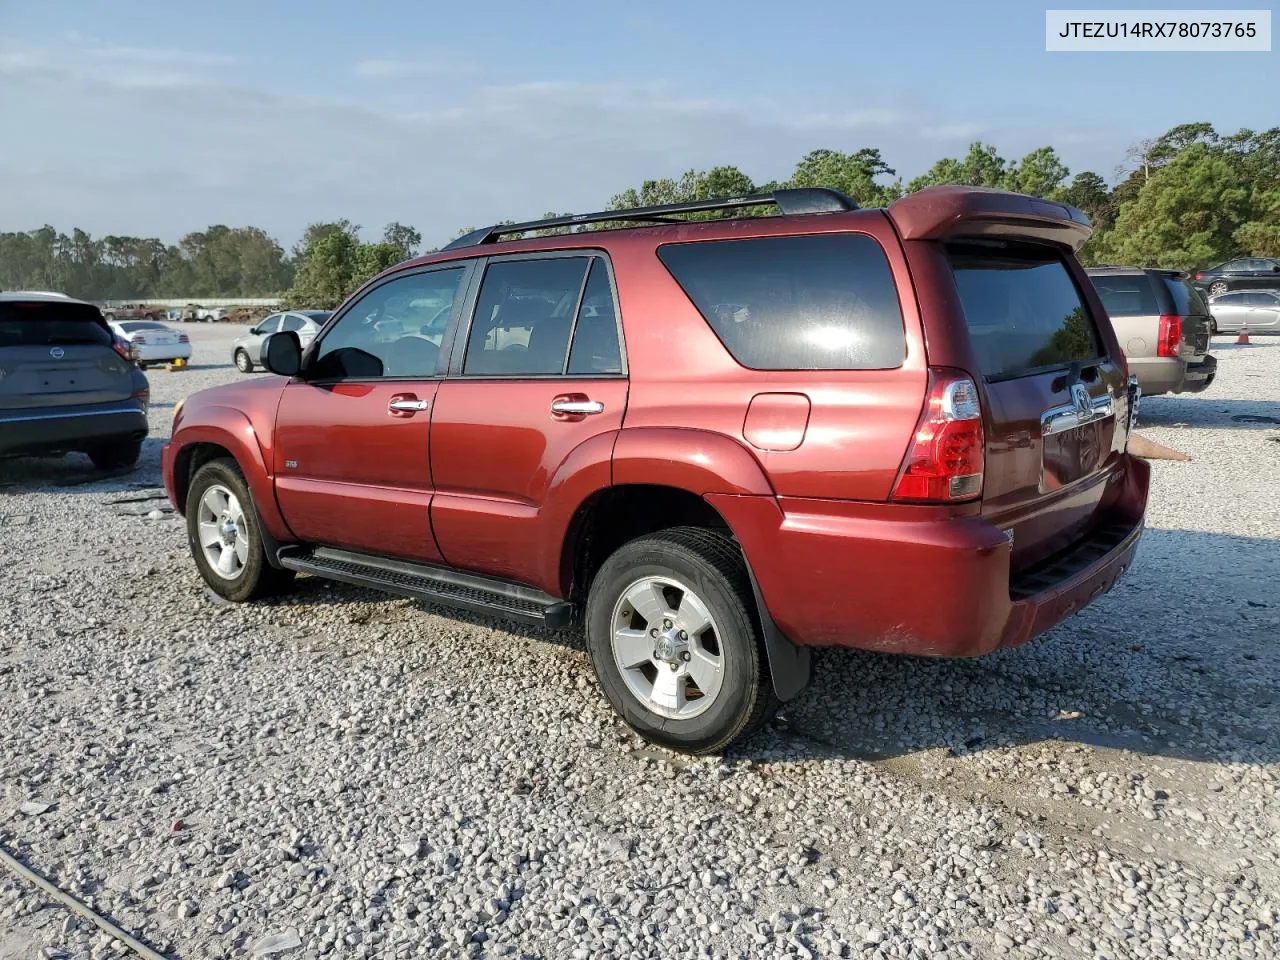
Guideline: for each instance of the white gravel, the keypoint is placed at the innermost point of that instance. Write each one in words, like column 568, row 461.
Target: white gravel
column 348, row 775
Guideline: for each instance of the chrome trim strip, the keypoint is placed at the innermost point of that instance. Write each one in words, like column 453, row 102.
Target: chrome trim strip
column 1068, row 417
column 73, row 415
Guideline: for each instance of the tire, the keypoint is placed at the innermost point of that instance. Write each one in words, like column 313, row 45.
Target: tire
column 668, row 568
column 117, row 456
column 219, row 495
column 142, row 365
column 243, row 363
column 109, row 317
column 1217, row 288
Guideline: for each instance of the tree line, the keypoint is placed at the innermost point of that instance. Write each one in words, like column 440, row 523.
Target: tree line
column 1186, row 199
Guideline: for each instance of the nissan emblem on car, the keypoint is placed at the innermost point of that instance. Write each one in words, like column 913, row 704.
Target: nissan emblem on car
column 57, row 353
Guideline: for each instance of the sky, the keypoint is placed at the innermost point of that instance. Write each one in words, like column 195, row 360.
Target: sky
column 160, row 118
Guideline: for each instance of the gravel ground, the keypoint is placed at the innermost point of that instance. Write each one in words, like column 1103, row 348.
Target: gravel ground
column 362, row 777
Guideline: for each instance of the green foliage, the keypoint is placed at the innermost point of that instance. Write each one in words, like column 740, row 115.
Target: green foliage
column 851, row 173
column 333, row 262
column 1185, row 215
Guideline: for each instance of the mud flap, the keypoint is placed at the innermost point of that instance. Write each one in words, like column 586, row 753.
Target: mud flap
column 790, row 666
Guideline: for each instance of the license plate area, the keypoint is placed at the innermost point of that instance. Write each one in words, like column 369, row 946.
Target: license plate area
column 1071, row 454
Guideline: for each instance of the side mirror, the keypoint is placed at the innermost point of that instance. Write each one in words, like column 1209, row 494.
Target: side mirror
column 282, row 353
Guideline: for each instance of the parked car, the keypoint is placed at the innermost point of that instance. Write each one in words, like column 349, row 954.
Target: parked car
column 898, row 429
column 153, row 342
column 131, row 311
column 1163, row 325
column 246, row 351
column 67, row 383
column 1254, row 273
column 1257, row 311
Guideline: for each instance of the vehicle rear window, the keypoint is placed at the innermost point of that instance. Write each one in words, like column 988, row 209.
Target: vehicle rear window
column 1186, row 302
column 43, row 324
column 133, row 326
column 1023, row 310
column 821, row 302
column 1127, row 295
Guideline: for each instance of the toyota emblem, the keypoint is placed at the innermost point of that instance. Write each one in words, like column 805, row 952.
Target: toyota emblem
column 57, row 353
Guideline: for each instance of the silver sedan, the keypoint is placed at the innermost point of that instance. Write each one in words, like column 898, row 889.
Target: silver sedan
column 247, row 349
column 1257, row 311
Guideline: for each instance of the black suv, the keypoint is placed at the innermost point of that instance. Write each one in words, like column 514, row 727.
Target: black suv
column 67, row 383
column 1252, row 273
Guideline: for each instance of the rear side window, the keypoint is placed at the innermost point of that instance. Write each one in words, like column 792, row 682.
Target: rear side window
column 1186, row 302
column 1127, row 295
column 822, row 302
column 51, row 324
column 1023, row 310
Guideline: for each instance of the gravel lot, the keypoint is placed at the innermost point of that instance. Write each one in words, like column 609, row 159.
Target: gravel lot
column 383, row 781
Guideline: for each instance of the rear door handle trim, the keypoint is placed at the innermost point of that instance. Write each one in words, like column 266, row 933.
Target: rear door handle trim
column 577, row 407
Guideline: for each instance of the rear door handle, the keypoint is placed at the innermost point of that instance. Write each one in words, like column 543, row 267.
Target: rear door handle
column 576, row 408
column 406, row 405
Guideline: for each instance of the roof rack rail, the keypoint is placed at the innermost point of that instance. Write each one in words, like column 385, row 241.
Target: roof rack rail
column 788, row 201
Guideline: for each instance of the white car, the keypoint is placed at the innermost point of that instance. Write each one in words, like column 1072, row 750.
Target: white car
column 153, row 342
column 1256, row 311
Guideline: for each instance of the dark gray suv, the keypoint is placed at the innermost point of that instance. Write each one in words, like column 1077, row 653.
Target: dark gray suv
column 67, row 383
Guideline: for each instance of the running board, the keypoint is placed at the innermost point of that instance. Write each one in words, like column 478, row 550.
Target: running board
column 465, row 591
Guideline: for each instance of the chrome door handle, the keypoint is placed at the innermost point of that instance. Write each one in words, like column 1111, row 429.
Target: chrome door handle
column 577, row 407
column 408, row 406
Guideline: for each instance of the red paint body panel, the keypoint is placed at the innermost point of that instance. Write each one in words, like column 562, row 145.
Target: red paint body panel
column 498, row 458
column 240, row 418
column 903, row 579
column 362, row 474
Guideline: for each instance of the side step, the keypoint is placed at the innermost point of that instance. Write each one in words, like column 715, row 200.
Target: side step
column 466, row 591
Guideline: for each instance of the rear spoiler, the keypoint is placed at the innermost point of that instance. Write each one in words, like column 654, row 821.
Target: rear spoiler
column 937, row 213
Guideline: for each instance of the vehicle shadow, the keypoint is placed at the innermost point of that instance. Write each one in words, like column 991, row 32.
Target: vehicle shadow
column 1183, row 672
column 75, row 473
column 1231, row 413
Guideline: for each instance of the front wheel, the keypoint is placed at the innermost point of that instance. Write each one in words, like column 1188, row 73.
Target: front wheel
column 1218, row 288
column 225, row 539
column 673, row 638
column 243, row 363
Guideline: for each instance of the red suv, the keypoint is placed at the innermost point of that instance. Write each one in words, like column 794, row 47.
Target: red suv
column 713, row 444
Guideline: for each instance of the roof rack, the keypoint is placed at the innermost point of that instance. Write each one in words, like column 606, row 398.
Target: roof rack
column 788, row 201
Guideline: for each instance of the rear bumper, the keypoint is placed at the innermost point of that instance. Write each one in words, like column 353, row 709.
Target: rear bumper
column 157, row 353
column 1200, row 375
column 54, row 431
column 899, row 580
column 1158, row 375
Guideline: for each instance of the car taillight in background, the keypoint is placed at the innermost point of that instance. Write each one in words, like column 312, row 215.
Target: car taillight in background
column 183, row 338
column 1170, row 342
column 122, row 346
column 945, row 461
column 1199, row 275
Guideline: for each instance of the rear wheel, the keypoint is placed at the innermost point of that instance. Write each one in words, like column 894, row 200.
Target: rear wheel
column 1217, row 287
column 243, row 363
column 674, row 641
column 116, row 456
column 225, row 538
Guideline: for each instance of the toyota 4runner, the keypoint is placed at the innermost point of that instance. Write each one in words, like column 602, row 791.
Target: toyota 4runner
column 712, row 445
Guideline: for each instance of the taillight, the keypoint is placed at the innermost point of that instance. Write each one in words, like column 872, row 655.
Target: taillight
column 944, row 463
column 1199, row 275
column 139, row 339
column 143, row 394
column 183, row 338
column 1170, row 342
column 122, row 347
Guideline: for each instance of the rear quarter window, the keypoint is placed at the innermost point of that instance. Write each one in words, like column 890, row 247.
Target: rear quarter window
column 820, row 302
column 1023, row 310
column 1186, row 302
